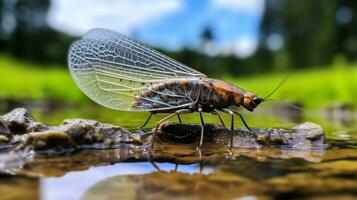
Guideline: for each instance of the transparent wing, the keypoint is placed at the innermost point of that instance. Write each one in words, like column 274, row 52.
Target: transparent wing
column 113, row 69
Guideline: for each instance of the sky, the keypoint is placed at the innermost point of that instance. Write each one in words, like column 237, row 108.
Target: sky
column 82, row 181
column 169, row 24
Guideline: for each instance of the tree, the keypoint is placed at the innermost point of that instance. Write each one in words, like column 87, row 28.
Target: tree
column 308, row 29
column 32, row 38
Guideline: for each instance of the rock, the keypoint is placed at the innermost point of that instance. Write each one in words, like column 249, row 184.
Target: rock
column 36, row 126
column 303, row 136
column 4, row 130
column 79, row 133
column 259, row 144
column 20, row 121
column 216, row 134
column 3, row 139
column 20, row 129
column 311, row 131
column 90, row 131
column 49, row 140
column 274, row 137
column 87, row 134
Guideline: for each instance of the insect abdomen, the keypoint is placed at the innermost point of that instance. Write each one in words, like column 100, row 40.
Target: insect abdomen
column 168, row 95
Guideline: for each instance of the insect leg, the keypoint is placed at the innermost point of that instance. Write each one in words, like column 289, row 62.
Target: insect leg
column 163, row 120
column 179, row 118
column 201, row 167
column 230, row 112
column 241, row 117
column 216, row 112
column 143, row 125
column 232, row 123
column 232, row 127
column 155, row 165
column 233, row 112
column 202, row 127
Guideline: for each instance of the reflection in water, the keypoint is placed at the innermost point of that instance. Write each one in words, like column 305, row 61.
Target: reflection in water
column 171, row 185
column 267, row 173
column 259, row 174
column 64, row 187
column 17, row 187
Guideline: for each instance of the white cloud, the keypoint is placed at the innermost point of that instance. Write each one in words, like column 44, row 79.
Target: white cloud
column 254, row 7
column 242, row 47
column 77, row 17
column 245, row 46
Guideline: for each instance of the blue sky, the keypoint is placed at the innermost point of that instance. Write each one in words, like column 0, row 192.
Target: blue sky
column 170, row 24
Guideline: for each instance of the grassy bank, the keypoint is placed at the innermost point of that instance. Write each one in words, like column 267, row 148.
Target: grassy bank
column 26, row 80
column 314, row 88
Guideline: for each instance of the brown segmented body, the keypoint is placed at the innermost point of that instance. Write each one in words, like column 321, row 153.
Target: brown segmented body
column 209, row 94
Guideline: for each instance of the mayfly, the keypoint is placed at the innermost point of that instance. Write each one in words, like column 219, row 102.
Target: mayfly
column 120, row 73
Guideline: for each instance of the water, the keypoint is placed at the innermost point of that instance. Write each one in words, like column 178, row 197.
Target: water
column 249, row 173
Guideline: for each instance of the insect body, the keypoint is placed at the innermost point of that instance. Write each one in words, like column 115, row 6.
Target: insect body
column 207, row 94
column 123, row 74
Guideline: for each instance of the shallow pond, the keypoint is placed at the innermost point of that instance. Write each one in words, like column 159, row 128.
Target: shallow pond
column 243, row 173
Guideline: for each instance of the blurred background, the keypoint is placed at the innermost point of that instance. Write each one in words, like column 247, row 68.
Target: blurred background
column 252, row 44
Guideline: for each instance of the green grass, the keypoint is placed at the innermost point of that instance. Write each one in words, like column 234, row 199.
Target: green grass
column 314, row 88
column 26, row 80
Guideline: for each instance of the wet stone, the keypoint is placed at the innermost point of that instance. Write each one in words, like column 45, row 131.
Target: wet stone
column 306, row 135
column 22, row 131
column 20, row 121
column 49, row 139
column 36, row 126
column 91, row 131
column 176, row 142
column 277, row 137
column 311, row 131
column 78, row 134
column 3, row 139
column 181, row 133
column 4, row 130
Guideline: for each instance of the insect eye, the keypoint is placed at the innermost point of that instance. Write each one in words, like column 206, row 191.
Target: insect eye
column 257, row 100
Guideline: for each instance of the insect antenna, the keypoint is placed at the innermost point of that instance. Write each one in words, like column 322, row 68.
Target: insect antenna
column 277, row 87
column 285, row 103
column 265, row 99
